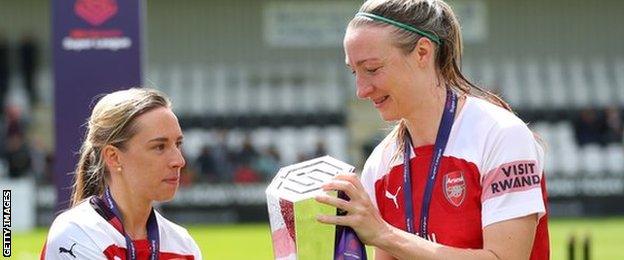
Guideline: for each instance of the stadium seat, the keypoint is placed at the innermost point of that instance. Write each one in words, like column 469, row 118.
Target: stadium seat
column 336, row 141
column 234, row 139
column 534, row 84
column 543, row 130
column 265, row 103
column 568, row 153
column 558, row 93
column 592, row 163
column 287, row 146
column 175, row 89
column 310, row 95
column 242, row 97
column 286, row 96
column 581, row 96
column 308, row 137
column 333, row 92
column 510, row 86
column 618, row 68
column 219, row 90
column 615, row 159
column 262, row 138
column 601, row 85
column 193, row 142
column 198, row 90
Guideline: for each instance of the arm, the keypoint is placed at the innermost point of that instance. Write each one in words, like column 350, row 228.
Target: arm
column 510, row 239
column 382, row 255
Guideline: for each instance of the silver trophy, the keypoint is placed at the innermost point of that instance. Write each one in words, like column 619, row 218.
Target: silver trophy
column 292, row 209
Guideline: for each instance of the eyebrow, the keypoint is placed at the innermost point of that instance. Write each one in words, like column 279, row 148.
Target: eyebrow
column 362, row 61
column 164, row 139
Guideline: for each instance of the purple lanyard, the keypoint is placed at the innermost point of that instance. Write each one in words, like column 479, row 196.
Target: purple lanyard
column 440, row 144
column 152, row 229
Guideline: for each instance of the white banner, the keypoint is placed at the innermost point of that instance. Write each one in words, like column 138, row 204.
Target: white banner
column 472, row 16
column 307, row 24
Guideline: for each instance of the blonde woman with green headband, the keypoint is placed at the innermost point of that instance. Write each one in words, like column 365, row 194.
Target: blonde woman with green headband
column 460, row 176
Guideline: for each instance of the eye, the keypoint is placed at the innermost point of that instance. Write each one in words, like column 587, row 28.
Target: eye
column 373, row 70
column 179, row 144
column 160, row 147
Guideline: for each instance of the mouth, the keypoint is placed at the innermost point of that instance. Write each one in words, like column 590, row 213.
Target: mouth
column 379, row 101
column 172, row 180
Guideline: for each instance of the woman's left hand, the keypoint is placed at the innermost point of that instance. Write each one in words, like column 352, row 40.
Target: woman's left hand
column 361, row 215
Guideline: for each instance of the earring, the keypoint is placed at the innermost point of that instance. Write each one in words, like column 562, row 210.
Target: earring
column 119, row 169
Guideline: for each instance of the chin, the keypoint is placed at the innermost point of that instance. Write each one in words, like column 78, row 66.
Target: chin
column 166, row 195
column 389, row 117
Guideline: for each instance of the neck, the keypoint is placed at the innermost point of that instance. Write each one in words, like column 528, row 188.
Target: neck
column 134, row 211
column 423, row 122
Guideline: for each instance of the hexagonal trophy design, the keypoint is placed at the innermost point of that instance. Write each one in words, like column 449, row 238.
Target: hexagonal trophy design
column 292, row 209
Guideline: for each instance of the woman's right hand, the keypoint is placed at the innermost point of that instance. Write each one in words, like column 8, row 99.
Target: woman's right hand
column 361, row 214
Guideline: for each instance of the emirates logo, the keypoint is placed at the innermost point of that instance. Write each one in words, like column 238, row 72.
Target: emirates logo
column 95, row 12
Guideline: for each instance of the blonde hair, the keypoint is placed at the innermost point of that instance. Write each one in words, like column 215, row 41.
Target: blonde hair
column 435, row 17
column 111, row 123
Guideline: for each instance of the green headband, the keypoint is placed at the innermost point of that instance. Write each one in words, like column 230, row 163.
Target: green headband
column 410, row 28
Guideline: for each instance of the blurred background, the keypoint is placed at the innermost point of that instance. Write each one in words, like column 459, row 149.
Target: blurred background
column 262, row 84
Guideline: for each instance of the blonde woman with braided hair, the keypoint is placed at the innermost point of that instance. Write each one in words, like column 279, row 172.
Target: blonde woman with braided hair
column 460, row 176
column 129, row 159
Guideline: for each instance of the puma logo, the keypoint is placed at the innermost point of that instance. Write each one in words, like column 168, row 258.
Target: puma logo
column 393, row 197
column 70, row 251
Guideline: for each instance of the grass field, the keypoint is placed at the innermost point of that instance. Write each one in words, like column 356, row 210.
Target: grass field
column 252, row 241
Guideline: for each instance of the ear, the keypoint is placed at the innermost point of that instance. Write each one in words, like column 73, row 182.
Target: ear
column 423, row 52
column 111, row 156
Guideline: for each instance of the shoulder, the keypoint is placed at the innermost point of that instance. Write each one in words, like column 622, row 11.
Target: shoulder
column 79, row 227
column 484, row 114
column 175, row 237
column 491, row 125
column 380, row 161
column 504, row 131
column 81, row 217
column 488, row 135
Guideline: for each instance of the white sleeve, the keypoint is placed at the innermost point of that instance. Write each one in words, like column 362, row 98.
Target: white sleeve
column 368, row 181
column 66, row 240
column 512, row 176
column 371, row 171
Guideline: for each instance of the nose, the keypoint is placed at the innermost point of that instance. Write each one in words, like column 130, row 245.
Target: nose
column 363, row 88
column 177, row 161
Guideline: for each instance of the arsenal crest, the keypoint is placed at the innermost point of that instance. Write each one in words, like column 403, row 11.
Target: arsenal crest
column 95, row 12
column 454, row 186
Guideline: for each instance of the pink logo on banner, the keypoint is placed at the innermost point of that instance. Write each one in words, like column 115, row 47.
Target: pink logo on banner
column 95, row 12
column 511, row 177
column 455, row 187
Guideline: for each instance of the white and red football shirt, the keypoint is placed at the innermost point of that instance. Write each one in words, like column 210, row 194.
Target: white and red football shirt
column 491, row 171
column 83, row 233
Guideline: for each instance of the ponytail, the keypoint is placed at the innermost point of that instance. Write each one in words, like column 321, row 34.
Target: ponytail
column 89, row 175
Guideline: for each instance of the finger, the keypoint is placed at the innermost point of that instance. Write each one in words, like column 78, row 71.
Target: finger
column 334, row 220
column 334, row 201
column 345, row 186
column 352, row 178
